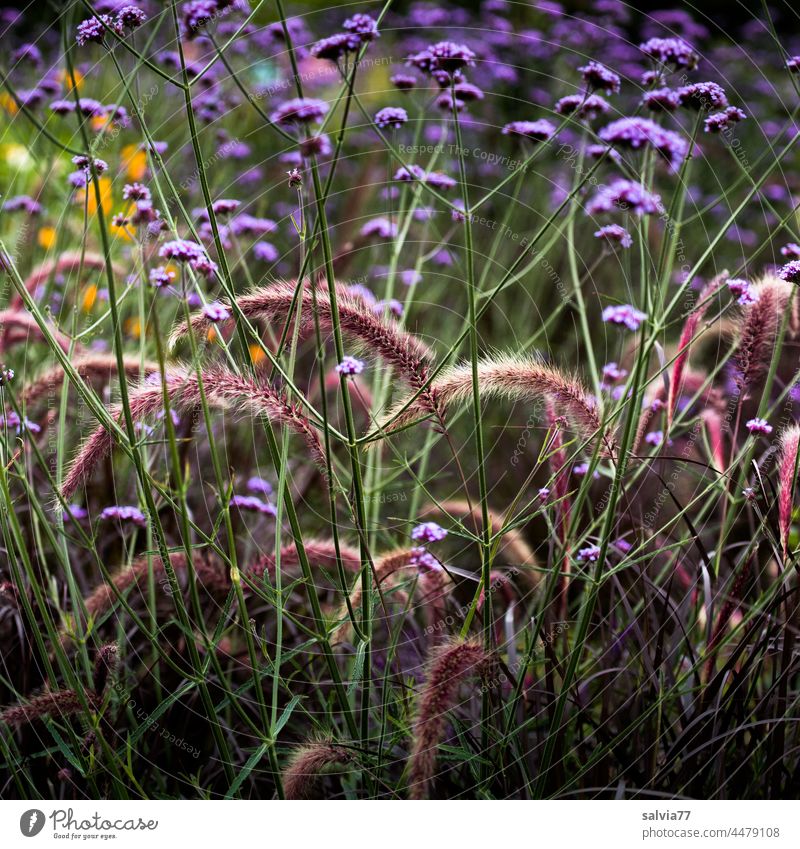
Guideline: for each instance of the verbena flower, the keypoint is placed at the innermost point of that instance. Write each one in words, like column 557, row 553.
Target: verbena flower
column 597, row 76
column 588, row 108
column 216, row 311
column 636, row 133
column 612, row 374
column 624, row 315
column 391, row 116
column 403, row 82
column 161, row 277
column 350, row 366
column 614, row 235
column 661, row 100
column 301, row 110
column 22, row 203
column 590, row 554
column 135, row 191
column 131, row 17
column 540, row 130
column 445, row 56
column 702, row 96
column 428, row 532
column 381, row 227
column 791, row 250
column 467, row 92
column 671, row 51
column 260, row 485
column 124, row 513
column 625, row 195
column 365, row 27
column 543, row 493
column 423, row 559
column 94, row 30
column 20, row 425
column 253, row 504
column 721, row 121
column 790, row 272
column 793, row 65
column 265, row 252
column 197, row 14
column 758, row 426
column 743, row 291
column 334, row 47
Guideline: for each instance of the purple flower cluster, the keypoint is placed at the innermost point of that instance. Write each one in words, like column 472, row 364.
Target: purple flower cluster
column 790, row 272
column 182, row 250
column 661, row 100
column 253, row 504
column 671, row 51
column 588, row 108
column 124, row 513
column 443, row 60
column 22, row 203
column 719, row 122
column 598, row 77
column 759, row 426
column 624, row 315
column 636, row 133
column 350, row 366
column 625, row 195
column 391, row 116
column 614, row 235
column 94, row 30
column 538, row 131
column 702, row 96
column 301, row 110
column 428, row 532
column 742, row 291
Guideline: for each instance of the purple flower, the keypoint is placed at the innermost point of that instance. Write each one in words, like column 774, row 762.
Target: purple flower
column 197, row 14
column 135, row 191
column 410, row 277
column 6, row 375
column 254, row 504
column 612, row 373
column 380, row 227
column 335, row 46
column 392, row 305
column 721, row 121
column 131, row 17
column 543, row 494
column 624, row 315
column 749, row 493
column 790, row 272
column 793, row 65
column 423, row 559
column 625, row 195
column 446, row 57
column 161, row 277
column 301, row 110
column 22, row 203
column 62, row 107
column 391, row 116
column 588, row 108
column 265, row 252
column 365, row 27
column 94, row 30
column 597, row 76
column 216, row 311
column 428, row 532
column 591, row 554
column 613, row 234
column 77, row 511
column 791, row 251
column 670, row 51
column 759, row 426
column 439, row 180
column 319, row 145
column 655, row 437
column 541, row 130
column 661, row 100
column 20, row 425
column 249, row 225
column 702, row 96
column 27, row 53
column 350, row 366
column 124, row 513
column 742, row 291
column 466, row 92
column 635, row 133
column 99, row 166
column 256, row 484
column 403, row 82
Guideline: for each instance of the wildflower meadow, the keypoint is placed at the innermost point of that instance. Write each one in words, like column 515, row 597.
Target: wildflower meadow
column 399, row 400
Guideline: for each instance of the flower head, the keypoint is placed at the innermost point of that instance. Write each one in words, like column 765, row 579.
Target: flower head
column 445, row 57
column 363, row 26
column 624, row 315
column 625, row 195
column 661, row 100
column 391, row 116
column 614, row 235
column 588, row 108
column 590, row 554
column 721, row 121
column 260, row 485
column 350, row 366
column 301, row 110
column 94, row 30
column 637, row 133
column 428, row 532
column 124, row 513
column 743, row 292
column 759, row 426
column 670, row 51
column 216, row 311
column 702, row 96
column 541, row 130
column 790, row 272
column 254, row 504
column 597, row 76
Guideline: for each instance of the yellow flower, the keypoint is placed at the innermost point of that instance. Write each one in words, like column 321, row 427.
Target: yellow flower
column 105, row 195
column 257, row 354
column 133, row 327
column 134, row 159
column 89, row 297
column 46, row 237
column 8, row 103
column 74, row 81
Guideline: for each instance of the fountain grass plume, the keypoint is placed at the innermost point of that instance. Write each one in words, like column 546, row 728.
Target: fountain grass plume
column 449, row 665
column 512, row 377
